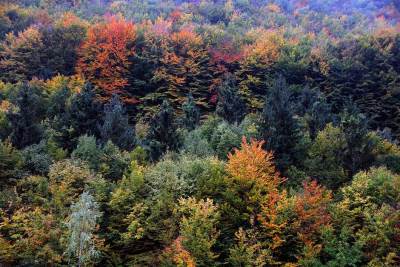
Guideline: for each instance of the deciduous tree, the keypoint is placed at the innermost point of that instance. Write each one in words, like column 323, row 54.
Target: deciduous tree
column 82, row 224
column 105, row 56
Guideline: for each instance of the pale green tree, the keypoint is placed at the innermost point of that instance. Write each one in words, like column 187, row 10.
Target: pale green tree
column 82, row 225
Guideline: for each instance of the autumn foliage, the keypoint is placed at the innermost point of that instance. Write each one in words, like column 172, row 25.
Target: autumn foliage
column 253, row 163
column 200, row 133
column 311, row 207
column 178, row 255
column 104, row 56
column 184, row 67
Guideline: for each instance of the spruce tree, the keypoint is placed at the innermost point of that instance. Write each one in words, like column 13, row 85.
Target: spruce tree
column 313, row 106
column 116, row 126
column 162, row 134
column 280, row 128
column 25, row 118
column 84, row 115
column 358, row 155
column 191, row 114
column 230, row 105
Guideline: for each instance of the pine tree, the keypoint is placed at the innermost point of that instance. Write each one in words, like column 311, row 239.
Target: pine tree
column 81, row 224
column 279, row 126
column 191, row 114
column 230, row 105
column 116, row 126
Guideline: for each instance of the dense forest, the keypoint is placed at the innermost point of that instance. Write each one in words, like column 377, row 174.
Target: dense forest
column 200, row 133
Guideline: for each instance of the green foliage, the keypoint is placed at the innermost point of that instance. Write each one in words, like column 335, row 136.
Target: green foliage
column 230, row 105
column 339, row 248
column 369, row 209
column 280, row 128
column 162, row 134
column 107, row 160
column 82, row 117
column 158, row 164
column 25, row 116
column 191, row 114
column 358, row 154
column 247, row 252
column 113, row 161
column 325, row 161
column 198, row 229
column 225, row 138
column 10, row 163
column 115, row 127
column 196, row 144
column 36, row 160
column 88, row 150
column 313, row 106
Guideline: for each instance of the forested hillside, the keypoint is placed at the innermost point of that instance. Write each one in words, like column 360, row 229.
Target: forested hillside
column 200, row 133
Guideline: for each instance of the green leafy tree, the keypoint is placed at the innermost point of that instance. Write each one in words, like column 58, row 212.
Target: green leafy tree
column 36, row 159
column 113, row 161
column 88, row 150
column 369, row 209
column 358, row 155
column 326, row 157
column 247, row 251
column 313, row 106
column 225, row 138
column 198, row 229
column 10, row 163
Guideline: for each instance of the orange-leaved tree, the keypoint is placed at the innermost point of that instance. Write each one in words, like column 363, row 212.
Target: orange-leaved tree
column 177, row 255
column 294, row 225
column 184, row 68
column 105, row 56
column 311, row 207
column 251, row 162
column 252, row 179
column 257, row 63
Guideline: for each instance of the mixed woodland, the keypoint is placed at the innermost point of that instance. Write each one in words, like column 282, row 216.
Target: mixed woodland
column 201, row 133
